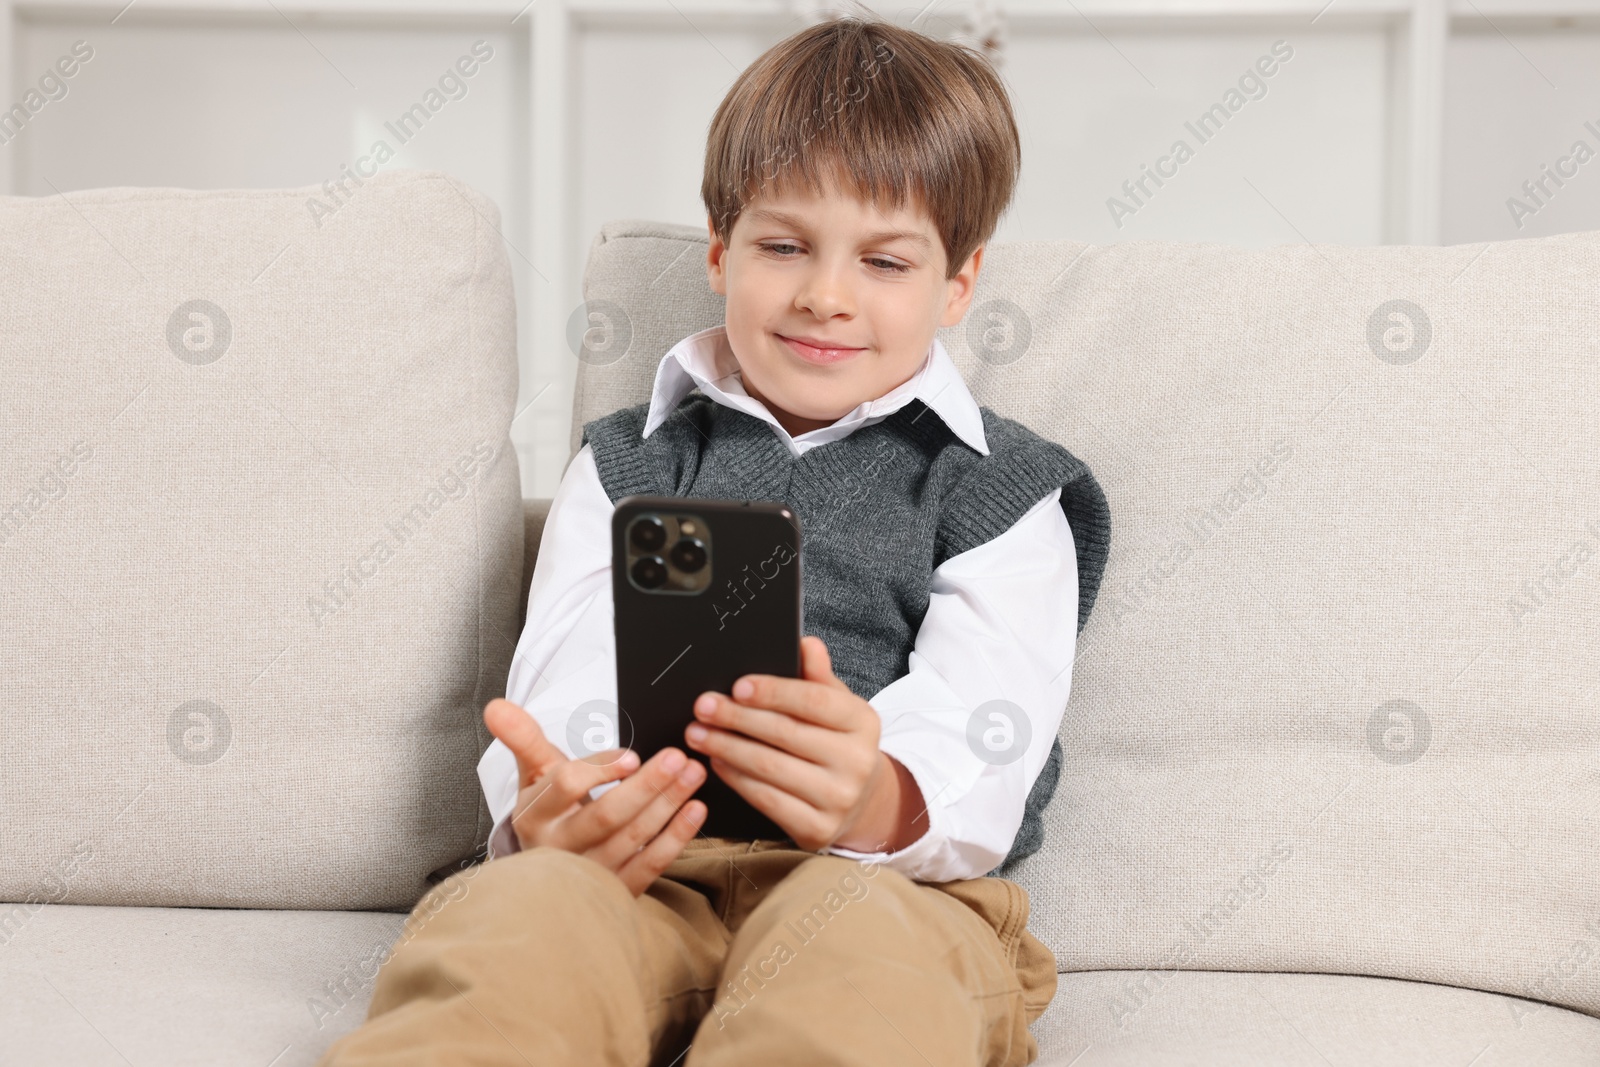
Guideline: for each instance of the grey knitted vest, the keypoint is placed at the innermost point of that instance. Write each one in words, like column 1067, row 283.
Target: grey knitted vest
column 879, row 510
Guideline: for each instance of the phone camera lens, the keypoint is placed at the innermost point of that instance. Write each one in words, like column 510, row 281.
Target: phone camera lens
column 650, row 572
column 688, row 555
column 649, row 534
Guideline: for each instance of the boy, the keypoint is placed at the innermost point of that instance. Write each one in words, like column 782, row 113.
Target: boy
column 950, row 557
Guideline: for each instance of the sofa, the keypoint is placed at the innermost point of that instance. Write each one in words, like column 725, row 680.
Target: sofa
column 1331, row 780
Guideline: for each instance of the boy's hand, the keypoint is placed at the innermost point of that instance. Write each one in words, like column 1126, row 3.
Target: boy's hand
column 804, row 751
column 636, row 829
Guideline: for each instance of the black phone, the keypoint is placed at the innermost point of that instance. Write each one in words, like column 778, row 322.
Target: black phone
column 704, row 591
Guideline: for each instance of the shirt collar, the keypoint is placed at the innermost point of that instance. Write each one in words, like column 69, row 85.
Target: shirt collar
column 706, row 361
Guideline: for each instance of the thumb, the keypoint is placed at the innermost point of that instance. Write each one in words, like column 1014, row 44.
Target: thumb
column 815, row 663
column 517, row 731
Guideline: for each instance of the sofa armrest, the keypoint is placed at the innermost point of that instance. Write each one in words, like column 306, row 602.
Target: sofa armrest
column 534, row 512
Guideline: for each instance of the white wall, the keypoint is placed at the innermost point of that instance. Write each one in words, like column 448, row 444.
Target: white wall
column 1393, row 120
column 1518, row 97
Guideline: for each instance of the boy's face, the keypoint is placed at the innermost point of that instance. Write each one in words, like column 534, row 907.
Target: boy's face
column 832, row 269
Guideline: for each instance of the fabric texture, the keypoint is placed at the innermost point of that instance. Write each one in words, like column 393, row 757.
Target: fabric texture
column 94, row 986
column 879, row 510
column 1249, row 1019
column 260, row 532
column 204, row 987
column 742, row 952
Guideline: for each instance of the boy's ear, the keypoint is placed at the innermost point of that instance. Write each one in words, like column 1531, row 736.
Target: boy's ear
column 715, row 251
column 961, row 288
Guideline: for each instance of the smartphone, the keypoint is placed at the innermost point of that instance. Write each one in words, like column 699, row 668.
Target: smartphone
column 704, row 591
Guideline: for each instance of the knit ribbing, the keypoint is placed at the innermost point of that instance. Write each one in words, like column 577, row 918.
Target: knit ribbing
column 985, row 507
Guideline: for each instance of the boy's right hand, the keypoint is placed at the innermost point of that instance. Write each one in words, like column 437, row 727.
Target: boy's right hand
column 635, row 829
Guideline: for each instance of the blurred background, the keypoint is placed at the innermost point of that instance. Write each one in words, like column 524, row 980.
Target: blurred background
column 1381, row 121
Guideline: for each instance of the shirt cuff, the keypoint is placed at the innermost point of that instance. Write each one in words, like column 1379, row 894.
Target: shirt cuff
column 497, row 776
column 916, row 859
column 502, row 839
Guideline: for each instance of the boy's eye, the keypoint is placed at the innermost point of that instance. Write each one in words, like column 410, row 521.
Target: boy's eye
column 877, row 261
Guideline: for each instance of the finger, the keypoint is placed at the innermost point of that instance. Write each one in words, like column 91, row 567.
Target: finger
column 626, row 844
column 648, row 863
column 782, row 731
column 816, row 664
column 808, row 781
column 518, row 732
column 566, row 784
column 795, row 817
column 612, row 828
column 805, row 699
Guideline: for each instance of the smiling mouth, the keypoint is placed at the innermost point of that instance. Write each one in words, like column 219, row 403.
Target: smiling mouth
column 814, row 354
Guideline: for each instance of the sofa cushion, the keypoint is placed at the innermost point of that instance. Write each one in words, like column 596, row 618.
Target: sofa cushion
column 1335, row 709
column 107, row 986
column 1227, row 1019
column 94, row 986
column 260, row 541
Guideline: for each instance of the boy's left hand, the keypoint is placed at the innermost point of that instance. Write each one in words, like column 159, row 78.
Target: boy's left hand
column 804, row 751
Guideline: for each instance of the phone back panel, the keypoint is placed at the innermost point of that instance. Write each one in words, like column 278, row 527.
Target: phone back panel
column 672, row 646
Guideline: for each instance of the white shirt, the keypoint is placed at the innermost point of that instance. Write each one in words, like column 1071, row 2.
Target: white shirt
column 1001, row 624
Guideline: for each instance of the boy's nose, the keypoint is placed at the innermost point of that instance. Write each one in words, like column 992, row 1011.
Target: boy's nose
column 826, row 292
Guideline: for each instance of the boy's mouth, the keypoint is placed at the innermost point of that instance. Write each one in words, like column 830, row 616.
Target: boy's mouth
column 819, row 350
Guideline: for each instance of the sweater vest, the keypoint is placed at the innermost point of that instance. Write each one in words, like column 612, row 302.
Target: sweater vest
column 879, row 511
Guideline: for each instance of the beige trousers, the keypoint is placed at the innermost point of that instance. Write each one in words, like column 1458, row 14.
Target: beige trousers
column 743, row 952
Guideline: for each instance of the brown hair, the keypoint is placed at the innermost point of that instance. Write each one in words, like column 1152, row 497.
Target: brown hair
column 887, row 112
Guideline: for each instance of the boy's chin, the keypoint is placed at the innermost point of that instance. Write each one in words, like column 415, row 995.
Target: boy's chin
column 830, row 409
column 809, row 396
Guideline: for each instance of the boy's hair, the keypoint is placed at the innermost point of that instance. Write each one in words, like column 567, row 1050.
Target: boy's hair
column 885, row 111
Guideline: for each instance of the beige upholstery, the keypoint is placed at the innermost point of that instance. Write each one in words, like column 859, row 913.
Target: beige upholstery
column 195, row 718
column 205, row 988
column 1307, row 526
column 1098, row 1019
column 86, row 986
